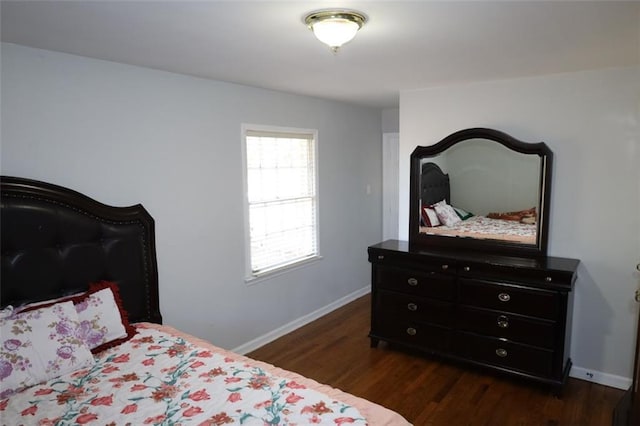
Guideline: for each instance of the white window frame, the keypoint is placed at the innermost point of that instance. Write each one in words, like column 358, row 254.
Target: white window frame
column 256, row 276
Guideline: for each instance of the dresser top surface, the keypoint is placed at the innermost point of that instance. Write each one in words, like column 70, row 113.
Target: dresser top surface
column 542, row 263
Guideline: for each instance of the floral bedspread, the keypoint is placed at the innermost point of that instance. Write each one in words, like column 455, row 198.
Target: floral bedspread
column 159, row 378
column 486, row 228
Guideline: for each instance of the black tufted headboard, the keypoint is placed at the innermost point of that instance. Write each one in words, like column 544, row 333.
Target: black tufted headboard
column 434, row 185
column 55, row 241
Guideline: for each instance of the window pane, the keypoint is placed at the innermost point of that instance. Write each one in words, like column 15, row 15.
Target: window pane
column 281, row 198
column 281, row 232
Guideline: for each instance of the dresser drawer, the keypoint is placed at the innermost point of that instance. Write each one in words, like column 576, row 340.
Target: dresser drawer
column 414, row 308
column 427, row 284
column 504, row 354
column 421, row 335
column 540, row 277
column 507, row 325
column 510, row 298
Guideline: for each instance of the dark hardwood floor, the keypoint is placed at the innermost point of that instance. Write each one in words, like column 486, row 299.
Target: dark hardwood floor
column 426, row 390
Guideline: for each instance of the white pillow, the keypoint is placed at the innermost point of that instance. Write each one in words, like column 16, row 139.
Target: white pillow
column 39, row 345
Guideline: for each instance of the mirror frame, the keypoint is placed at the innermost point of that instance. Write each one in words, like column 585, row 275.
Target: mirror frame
column 425, row 241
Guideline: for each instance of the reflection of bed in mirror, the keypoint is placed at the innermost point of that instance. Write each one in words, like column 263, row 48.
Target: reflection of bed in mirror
column 491, row 175
column 435, row 187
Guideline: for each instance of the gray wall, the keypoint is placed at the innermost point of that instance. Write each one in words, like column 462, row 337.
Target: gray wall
column 591, row 121
column 124, row 134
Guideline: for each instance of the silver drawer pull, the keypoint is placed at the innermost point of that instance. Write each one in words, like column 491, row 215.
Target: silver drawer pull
column 412, row 307
column 466, row 268
column 380, row 257
column 412, row 282
column 445, row 267
column 504, row 297
column 503, row 321
column 411, row 331
column 548, row 279
column 502, row 353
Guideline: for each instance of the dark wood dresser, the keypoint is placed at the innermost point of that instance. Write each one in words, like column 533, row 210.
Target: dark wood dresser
column 511, row 314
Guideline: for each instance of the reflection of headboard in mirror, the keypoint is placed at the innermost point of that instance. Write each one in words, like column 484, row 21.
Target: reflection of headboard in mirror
column 492, row 175
column 434, row 185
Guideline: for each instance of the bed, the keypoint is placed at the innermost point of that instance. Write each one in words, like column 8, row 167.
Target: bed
column 82, row 336
column 435, row 192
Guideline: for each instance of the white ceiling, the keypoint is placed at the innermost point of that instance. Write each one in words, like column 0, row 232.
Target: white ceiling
column 405, row 44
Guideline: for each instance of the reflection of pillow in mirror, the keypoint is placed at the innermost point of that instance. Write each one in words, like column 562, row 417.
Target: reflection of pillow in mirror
column 524, row 216
column 446, row 214
column 430, row 217
column 462, row 214
column 529, row 220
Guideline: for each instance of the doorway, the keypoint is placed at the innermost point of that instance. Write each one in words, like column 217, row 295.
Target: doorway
column 390, row 183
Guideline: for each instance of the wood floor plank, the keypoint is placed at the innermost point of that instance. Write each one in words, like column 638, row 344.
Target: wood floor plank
column 424, row 389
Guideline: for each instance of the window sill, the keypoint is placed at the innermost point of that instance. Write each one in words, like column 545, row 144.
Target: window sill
column 264, row 276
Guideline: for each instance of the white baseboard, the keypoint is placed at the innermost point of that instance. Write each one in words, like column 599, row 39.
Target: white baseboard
column 600, row 378
column 295, row 324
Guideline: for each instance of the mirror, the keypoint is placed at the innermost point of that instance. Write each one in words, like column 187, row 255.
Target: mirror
column 481, row 189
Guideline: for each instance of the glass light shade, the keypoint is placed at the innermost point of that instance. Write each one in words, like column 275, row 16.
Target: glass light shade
column 335, row 32
column 335, row 27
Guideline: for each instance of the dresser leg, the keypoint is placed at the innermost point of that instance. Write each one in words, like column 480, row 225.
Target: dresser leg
column 374, row 342
column 558, row 391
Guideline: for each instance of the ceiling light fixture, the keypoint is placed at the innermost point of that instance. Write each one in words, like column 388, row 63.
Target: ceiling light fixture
column 335, row 27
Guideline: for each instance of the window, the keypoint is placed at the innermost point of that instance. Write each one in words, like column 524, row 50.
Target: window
column 281, row 201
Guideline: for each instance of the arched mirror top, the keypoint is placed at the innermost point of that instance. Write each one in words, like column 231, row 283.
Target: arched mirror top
column 481, row 189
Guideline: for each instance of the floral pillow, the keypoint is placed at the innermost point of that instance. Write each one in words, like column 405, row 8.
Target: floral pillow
column 446, row 215
column 7, row 311
column 39, row 345
column 103, row 321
